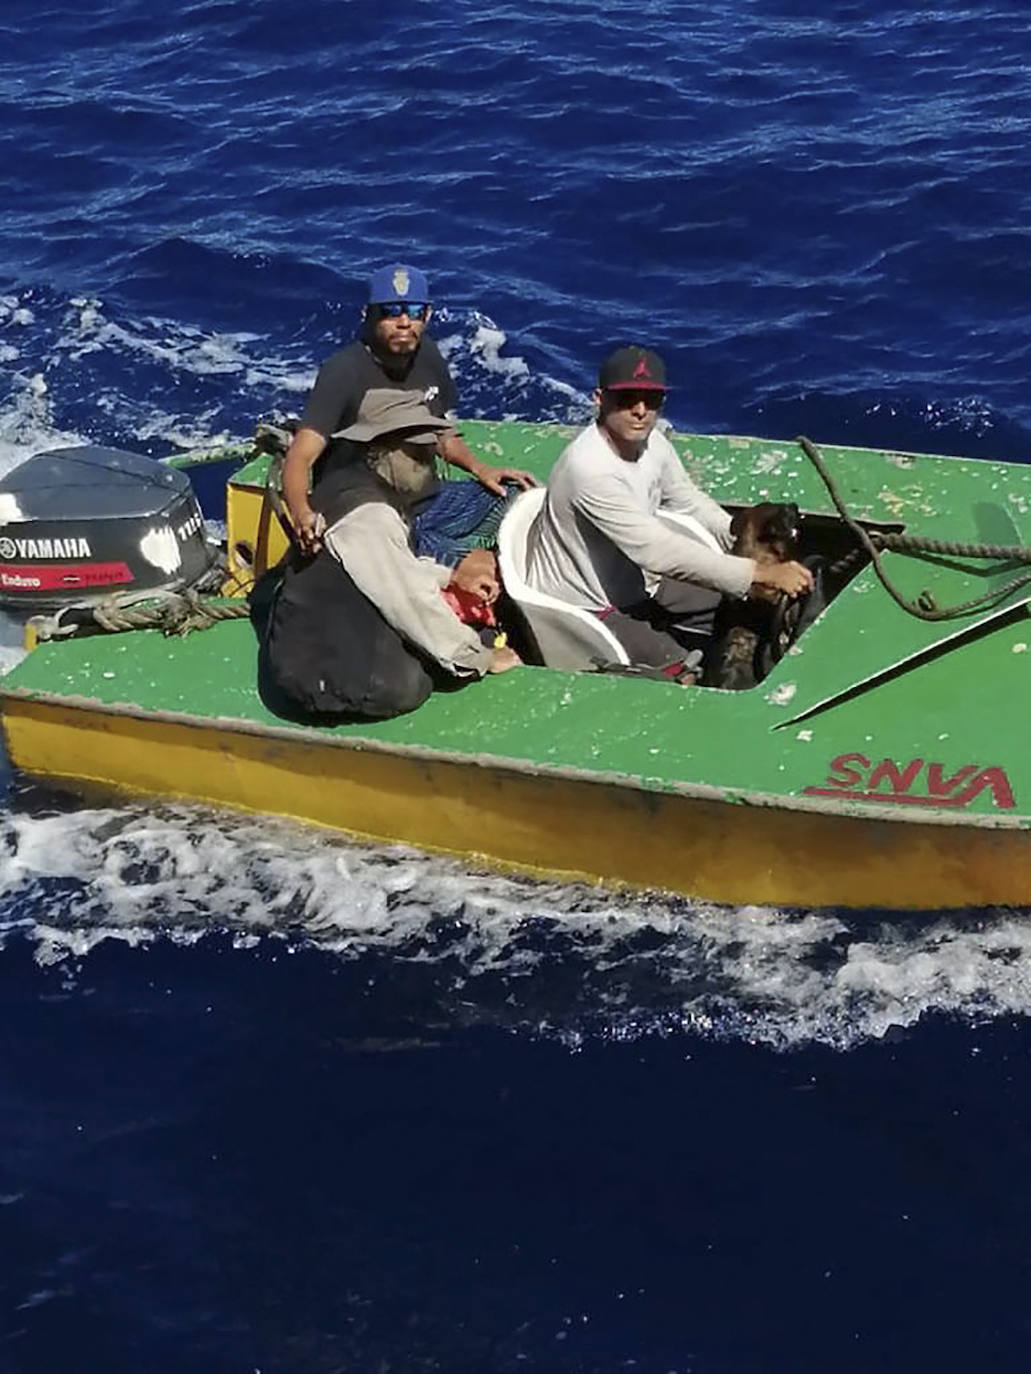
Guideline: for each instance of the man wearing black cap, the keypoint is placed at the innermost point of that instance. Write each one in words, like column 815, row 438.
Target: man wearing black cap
column 393, row 352
column 599, row 542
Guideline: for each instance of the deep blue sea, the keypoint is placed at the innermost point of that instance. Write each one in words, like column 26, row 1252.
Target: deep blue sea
column 271, row 1101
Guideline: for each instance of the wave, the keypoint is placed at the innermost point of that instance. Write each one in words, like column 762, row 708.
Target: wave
column 575, row 962
column 80, row 372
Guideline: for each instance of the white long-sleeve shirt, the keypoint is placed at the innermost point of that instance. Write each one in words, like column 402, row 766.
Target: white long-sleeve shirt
column 372, row 544
column 598, row 541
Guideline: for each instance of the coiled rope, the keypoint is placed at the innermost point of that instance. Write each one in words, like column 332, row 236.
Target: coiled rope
column 181, row 613
column 173, row 613
column 924, row 606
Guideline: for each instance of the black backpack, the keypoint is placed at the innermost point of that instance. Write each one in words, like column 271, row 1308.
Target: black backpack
column 326, row 651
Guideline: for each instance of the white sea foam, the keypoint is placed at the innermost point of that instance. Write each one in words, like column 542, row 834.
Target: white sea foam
column 12, row 643
column 180, row 348
column 13, row 312
column 26, row 423
column 487, row 343
column 640, row 965
column 198, row 431
column 73, row 342
column 59, row 348
column 474, row 348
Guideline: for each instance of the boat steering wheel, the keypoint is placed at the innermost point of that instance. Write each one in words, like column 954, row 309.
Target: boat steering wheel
column 791, row 616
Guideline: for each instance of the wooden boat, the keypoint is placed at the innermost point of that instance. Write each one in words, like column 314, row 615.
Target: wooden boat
column 882, row 763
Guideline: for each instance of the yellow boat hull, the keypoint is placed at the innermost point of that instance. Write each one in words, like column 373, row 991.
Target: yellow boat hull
column 541, row 821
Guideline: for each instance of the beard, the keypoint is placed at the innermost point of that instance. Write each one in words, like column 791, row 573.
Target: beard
column 408, row 476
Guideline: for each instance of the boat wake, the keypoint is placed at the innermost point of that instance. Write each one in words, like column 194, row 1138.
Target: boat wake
column 569, row 961
column 573, row 962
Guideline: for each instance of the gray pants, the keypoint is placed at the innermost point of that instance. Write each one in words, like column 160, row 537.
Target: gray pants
column 670, row 628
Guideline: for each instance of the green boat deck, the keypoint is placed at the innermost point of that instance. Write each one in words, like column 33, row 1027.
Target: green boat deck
column 867, row 680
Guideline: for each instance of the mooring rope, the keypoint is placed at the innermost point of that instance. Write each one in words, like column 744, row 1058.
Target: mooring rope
column 173, row 613
column 915, row 543
column 181, row 613
column 924, row 607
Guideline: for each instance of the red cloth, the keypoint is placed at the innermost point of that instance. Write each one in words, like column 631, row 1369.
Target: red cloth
column 470, row 609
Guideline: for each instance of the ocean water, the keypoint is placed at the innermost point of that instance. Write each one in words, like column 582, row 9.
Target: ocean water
column 273, row 1101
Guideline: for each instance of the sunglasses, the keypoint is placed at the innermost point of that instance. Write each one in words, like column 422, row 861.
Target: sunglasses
column 393, row 310
column 625, row 398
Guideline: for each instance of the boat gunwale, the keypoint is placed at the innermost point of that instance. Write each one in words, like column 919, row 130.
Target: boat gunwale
column 311, row 736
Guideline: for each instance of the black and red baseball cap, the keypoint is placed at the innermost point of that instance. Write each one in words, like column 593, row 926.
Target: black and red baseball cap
column 632, row 369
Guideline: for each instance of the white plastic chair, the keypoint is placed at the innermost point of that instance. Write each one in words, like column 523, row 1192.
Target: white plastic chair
column 565, row 636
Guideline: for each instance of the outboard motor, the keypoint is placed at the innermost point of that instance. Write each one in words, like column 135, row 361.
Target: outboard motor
column 83, row 524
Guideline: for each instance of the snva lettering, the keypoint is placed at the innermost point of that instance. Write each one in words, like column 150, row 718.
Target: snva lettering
column 914, row 783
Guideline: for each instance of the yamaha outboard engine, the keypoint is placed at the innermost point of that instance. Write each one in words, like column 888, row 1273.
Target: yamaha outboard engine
column 81, row 524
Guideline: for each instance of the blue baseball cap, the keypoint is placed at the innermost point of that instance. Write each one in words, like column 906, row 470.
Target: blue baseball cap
column 398, row 283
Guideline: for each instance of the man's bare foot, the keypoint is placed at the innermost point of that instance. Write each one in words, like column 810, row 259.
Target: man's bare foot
column 503, row 659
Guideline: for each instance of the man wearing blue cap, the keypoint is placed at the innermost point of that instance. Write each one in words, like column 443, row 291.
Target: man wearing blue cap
column 392, row 352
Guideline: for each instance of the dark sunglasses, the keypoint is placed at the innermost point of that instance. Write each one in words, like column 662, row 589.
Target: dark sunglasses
column 393, row 310
column 625, row 398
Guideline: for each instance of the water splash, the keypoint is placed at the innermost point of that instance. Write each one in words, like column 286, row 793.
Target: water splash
column 26, row 422
column 83, row 371
column 567, row 960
